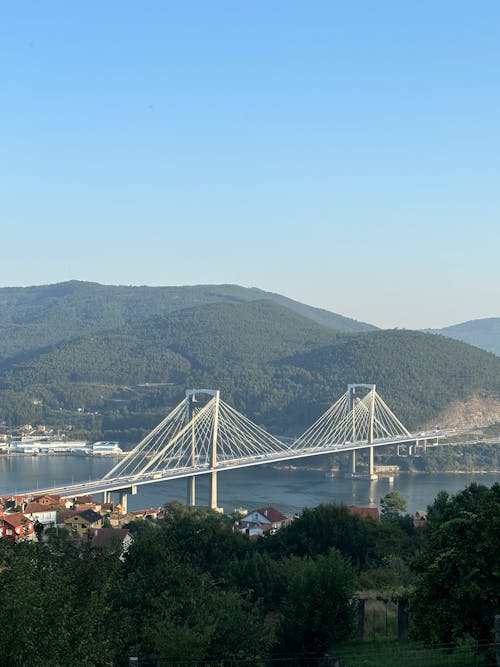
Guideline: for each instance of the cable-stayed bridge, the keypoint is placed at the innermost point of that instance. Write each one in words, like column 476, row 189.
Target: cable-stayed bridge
column 204, row 435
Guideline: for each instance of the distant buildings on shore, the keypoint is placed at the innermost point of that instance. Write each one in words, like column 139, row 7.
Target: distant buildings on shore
column 46, row 445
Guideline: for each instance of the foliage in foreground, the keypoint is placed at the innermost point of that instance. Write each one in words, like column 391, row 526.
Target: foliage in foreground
column 191, row 589
column 459, row 567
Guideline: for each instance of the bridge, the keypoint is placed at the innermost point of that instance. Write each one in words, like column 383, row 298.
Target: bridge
column 203, row 435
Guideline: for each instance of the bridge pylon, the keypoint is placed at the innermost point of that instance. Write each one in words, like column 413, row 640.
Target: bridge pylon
column 191, row 402
column 370, row 400
column 359, row 419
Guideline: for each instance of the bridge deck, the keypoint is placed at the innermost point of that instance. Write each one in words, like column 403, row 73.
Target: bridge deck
column 126, row 482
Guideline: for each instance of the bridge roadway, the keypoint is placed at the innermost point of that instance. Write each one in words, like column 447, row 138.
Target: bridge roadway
column 123, row 484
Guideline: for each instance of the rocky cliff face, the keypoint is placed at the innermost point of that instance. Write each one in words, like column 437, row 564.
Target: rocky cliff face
column 477, row 412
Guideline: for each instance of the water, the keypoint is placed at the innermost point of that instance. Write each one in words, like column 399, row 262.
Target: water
column 288, row 490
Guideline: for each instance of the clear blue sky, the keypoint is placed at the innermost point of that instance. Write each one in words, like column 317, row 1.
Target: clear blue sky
column 346, row 154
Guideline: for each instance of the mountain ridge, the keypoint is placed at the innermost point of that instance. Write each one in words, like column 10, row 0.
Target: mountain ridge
column 35, row 316
column 279, row 368
column 483, row 333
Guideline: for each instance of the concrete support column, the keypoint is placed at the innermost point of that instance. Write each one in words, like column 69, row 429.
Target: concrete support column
column 213, row 489
column 191, row 491
column 106, row 496
column 353, row 461
column 371, row 466
column 123, row 501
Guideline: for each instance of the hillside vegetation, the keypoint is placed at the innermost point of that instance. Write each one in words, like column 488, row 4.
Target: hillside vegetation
column 276, row 366
column 34, row 317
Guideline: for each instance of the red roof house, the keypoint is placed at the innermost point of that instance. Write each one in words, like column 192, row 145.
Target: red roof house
column 16, row 526
column 365, row 512
column 263, row 519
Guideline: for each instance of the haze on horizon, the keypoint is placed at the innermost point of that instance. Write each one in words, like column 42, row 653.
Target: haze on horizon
column 344, row 155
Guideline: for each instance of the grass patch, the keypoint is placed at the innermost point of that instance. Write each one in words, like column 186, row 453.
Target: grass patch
column 409, row 654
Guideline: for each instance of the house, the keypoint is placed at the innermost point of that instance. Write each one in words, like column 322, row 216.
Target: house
column 150, row 513
column 420, row 519
column 16, row 527
column 83, row 500
column 10, row 502
column 81, row 522
column 107, row 508
column 365, row 512
column 109, row 538
column 118, row 520
column 87, row 506
column 261, row 520
column 47, row 500
column 37, row 512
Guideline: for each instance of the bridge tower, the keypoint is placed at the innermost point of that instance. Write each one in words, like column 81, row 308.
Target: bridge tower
column 351, row 392
column 191, row 481
column 191, row 402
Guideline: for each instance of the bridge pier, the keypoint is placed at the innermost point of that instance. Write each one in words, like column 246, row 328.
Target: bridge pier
column 213, row 490
column 371, row 463
column 123, row 502
column 106, row 496
column 124, row 493
column 191, row 491
column 370, row 475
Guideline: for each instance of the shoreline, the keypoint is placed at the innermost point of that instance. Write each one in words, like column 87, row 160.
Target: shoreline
column 57, row 454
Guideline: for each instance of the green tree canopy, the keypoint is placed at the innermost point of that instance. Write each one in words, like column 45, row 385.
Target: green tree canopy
column 392, row 505
column 458, row 589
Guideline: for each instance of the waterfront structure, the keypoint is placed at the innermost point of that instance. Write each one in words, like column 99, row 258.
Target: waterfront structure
column 30, row 445
column 105, row 448
column 47, row 446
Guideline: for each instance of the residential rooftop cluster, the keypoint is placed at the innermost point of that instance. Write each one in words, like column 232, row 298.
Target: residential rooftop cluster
column 27, row 518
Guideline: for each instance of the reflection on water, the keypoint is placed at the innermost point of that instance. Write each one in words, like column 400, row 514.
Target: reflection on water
column 288, row 490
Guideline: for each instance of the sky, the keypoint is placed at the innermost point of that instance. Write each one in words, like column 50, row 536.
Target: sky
column 343, row 153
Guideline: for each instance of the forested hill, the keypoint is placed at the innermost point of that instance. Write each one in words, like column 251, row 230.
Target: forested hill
column 32, row 317
column 484, row 333
column 277, row 367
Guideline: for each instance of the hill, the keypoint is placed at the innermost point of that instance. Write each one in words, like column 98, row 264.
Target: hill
column 276, row 366
column 483, row 333
column 34, row 317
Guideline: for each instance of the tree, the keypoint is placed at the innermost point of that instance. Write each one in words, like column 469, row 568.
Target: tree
column 459, row 568
column 364, row 541
column 57, row 582
column 392, row 505
column 170, row 609
column 38, row 530
column 317, row 610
